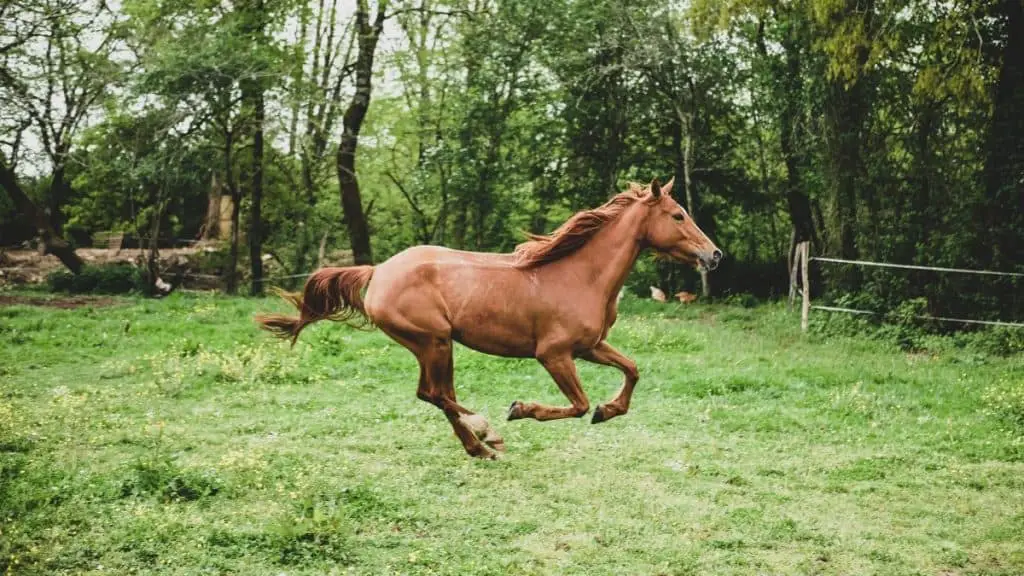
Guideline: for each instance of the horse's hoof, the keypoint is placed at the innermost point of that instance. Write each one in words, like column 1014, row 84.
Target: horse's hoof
column 598, row 415
column 485, row 455
column 515, row 411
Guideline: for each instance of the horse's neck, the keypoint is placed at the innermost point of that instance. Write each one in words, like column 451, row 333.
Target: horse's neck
column 605, row 261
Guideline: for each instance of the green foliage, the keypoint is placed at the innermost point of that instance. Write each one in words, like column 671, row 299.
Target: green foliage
column 1005, row 400
column 155, row 474
column 103, row 279
column 893, row 121
column 997, row 341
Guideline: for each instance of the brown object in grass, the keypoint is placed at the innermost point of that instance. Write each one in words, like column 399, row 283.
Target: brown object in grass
column 686, row 297
column 657, row 294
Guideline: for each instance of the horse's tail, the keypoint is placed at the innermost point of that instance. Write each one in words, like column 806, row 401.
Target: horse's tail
column 329, row 294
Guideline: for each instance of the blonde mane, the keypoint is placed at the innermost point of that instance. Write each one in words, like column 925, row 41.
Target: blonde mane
column 577, row 230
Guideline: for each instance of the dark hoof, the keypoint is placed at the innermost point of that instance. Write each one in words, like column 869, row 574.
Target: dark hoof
column 598, row 415
column 515, row 411
column 483, row 454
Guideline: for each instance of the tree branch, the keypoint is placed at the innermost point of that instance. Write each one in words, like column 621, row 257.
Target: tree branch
column 420, row 10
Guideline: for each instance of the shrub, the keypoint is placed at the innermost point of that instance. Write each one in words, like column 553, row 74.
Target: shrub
column 158, row 475
column 105, row 279
column 998, row 341
column 905, row 325
column 1005, row 400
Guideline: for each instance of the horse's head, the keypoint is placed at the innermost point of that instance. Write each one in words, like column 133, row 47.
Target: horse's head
column 672, row 232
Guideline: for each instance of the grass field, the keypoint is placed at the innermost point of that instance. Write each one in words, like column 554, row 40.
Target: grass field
column 174, row 437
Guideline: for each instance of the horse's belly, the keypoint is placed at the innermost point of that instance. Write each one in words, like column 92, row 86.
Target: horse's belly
column 491, row 337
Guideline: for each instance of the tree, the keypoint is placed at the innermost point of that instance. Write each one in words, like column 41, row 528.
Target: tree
column 316, row 105
column 50, row 241
column 1003, row 207
column 351, row 201
column 254, row 28
column 669, row 62
column 58, row 60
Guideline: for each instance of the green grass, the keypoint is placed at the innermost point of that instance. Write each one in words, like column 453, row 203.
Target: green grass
column 174, row 437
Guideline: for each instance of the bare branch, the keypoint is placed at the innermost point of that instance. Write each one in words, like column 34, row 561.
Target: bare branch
column 420, row 10
column 405, row 193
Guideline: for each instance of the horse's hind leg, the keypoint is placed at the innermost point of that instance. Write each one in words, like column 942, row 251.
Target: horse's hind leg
column 437, row 387
column 563, row 371
column 603, row 353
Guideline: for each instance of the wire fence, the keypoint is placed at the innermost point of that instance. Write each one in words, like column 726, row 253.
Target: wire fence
column 260, row 280
column 916, row 267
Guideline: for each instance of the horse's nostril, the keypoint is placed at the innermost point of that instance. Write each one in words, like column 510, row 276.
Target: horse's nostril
column 716, row 255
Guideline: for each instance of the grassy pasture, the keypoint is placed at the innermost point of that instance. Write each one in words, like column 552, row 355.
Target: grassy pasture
column 173, row 437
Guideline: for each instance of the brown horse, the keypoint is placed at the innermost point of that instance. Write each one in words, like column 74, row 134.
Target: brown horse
column 553, row 299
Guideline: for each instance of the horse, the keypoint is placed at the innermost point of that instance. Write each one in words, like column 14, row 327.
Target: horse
column 554, row 298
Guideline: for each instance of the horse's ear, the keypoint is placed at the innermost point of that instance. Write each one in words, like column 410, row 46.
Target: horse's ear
column 656, row 188
column 667, row 188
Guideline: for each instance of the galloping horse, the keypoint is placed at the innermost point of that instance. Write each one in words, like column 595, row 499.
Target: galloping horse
column 553, row 299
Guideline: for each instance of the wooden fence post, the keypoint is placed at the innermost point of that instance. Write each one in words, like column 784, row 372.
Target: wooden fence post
column 794, row 269
column 806, row 309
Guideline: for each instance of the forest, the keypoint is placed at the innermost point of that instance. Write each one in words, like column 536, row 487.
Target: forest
column 887, row 131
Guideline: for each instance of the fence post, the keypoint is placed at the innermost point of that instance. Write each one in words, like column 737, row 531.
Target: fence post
column 805, row 255
column 793, row 275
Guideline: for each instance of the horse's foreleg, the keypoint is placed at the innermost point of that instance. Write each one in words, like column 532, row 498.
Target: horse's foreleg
column 437, row 386
column 563, row 370
column 603, row 353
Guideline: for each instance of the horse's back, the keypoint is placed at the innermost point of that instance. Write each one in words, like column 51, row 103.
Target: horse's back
column 476, row 298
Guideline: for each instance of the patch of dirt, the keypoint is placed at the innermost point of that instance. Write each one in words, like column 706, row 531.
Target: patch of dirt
column 182, row 267
column 30, row 267
column 63, row 303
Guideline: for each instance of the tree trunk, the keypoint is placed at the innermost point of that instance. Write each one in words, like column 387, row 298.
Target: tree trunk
column 211, row 225
column 231, row 280
column 153, row 256
column 685, row 125
column 253, row 104
column 60, row 190
column 51, row 241
column 305, row 232
column 845, row 112
column 922, row 212
column 297, row 76
column 351, row 201
column 844, row 117
column 255, row 210
column 1003, row 207
column 796, row 199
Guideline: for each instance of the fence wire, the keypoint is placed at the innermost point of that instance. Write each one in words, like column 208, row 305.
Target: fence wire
column 915, row 267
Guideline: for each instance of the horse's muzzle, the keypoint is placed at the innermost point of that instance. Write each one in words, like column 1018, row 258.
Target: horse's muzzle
column 710, row 261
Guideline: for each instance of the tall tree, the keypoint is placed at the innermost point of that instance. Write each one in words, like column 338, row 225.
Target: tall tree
column 667, row 59
column 849, row 32
column 254, row 15
column 316, row 107
column 351, row 201
column 787, row 96
column 1003, row 212
column 58, row 60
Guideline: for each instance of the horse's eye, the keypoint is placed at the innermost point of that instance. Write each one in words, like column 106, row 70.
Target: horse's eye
column 678, row 217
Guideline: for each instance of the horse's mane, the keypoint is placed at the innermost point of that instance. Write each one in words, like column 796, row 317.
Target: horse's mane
column 577, row 230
